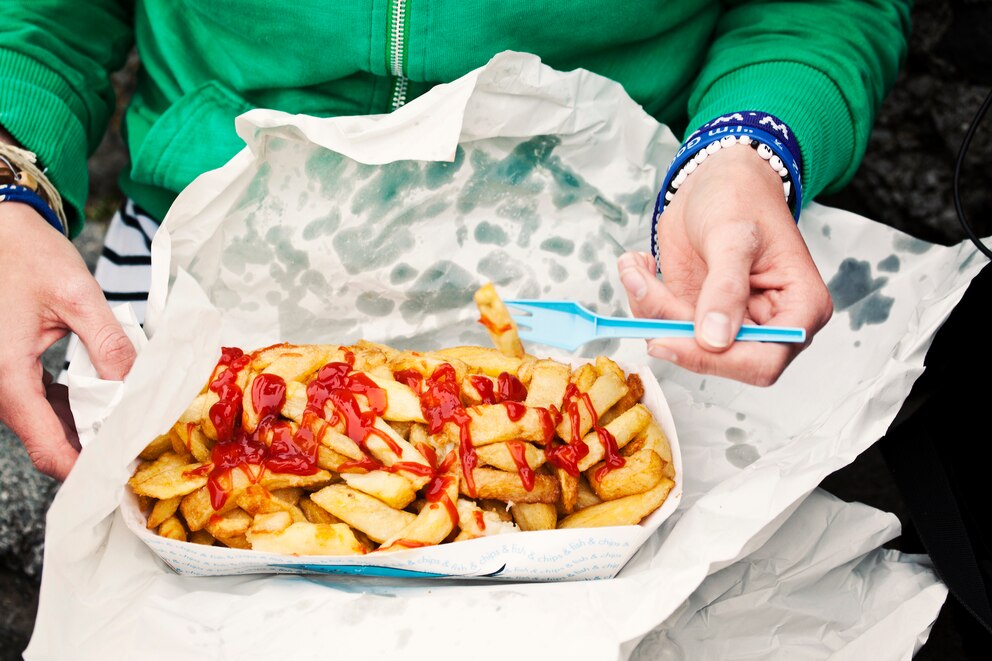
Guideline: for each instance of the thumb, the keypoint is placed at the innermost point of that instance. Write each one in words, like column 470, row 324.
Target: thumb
column 109, row 347
column 723, row 297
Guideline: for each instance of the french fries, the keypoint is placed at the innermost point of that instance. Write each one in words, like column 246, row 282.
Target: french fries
column 346, row 450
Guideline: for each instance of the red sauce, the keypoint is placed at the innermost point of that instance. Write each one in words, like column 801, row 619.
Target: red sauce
column 411, row 467
column 366, row 463
column 436, row 491
column 429, row 454
column 273, row 445
column 519, row 453
column 411, row 378
column 510, row 388
column 484, row 386
column 226, row 411
column 493, row 328
column 480, row 520
column 515, row 410
column 441, row 403
column 567, row 457
column 550, row 418
column 613, row 458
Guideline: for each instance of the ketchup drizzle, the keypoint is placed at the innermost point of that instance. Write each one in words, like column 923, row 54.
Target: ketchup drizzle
column 519, row 454
column 441, row 403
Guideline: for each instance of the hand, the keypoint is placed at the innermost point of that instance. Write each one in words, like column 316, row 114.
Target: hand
column 730, row 254
column 46, row 291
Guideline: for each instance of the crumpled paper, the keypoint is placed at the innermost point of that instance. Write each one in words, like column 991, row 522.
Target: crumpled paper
column 332, row 230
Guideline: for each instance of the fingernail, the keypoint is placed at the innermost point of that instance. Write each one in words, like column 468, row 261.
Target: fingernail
column 716, row 329
column 662, row 353
column 627, row 260
column 634, row 283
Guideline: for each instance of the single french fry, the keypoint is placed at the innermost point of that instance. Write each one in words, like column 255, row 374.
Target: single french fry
column 192, row 441
column 273, row 481
column 230, row 524
column 239, row 542
column 201, row 537
column 500, row 456
column 547, row 385
column 308, row 539
column 314, row 513
column 149, row 469
column 497, row 320
column 156, row 448
column 626, row 511
column 490, row 362
column 640, row 472
column 425, row 364
column 434, row 522
column 196, row 507
column 606, row 366
column 635, row 392
column 171, row 482
column 330, row 460
column 586, row 497
column 623, row 429
column 653, row 438
column 535, row 516
column 296, row 401
column 370, row 515
column 568, row 486
column 492, row 483
column 391, row 488
column 289, row 495
column 385, row 452
column 584, row 376
column 491, row 423
column 402, row 404
column 604, row 393
column 162, row 510
column 173, row 529
column 272, row 522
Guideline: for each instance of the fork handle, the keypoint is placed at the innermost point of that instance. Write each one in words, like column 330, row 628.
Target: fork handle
column 651, row 328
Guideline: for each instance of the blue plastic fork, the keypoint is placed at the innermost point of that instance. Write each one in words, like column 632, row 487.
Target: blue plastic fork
column 568, row 325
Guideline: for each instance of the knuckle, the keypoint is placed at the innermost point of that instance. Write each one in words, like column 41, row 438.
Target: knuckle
column 729, row 286
column 42, row 459
column 77, row 294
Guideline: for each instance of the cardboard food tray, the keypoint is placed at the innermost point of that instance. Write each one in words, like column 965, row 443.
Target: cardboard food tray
column 547, row 555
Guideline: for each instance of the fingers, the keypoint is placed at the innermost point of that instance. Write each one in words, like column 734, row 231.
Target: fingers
column 86, row 312
column 648, row 296
column 30, row 416
column 756, row 363
column 723, row 298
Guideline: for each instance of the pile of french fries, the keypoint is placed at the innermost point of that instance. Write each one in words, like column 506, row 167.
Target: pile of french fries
column 419, row 449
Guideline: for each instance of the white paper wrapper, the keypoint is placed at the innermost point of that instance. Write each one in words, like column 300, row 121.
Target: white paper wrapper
column 558, row 555
column 549, row 176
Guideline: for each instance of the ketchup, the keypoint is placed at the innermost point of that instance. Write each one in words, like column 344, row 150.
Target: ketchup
column 411, row 378
column 273, row 445
column 508, row 388
column 613, row 458
column 519, row 454
column 441, row 403
column 493, row 328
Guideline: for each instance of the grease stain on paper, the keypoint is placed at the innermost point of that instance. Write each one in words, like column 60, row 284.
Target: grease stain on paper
column 855, row 290
column 742, row 455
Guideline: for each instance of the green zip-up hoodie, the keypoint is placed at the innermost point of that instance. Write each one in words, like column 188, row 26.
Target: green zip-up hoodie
column 823, row 67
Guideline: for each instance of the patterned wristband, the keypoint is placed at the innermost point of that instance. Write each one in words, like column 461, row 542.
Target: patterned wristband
column 23, row 194
column 772, row 139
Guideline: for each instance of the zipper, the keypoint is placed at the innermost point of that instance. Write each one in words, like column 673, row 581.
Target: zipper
column 396, row 50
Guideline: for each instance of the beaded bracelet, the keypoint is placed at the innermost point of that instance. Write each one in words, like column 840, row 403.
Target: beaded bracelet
column 769, row 136
column 23, row 194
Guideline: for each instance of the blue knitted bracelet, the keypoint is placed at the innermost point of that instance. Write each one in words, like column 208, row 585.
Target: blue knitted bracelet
column 23, row 194
column 772, row 139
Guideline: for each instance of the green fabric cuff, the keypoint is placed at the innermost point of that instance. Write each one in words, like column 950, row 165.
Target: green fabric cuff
column 803, row 97
column 35, row 108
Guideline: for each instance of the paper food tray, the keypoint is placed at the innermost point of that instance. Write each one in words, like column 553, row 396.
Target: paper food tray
column 548, row 555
